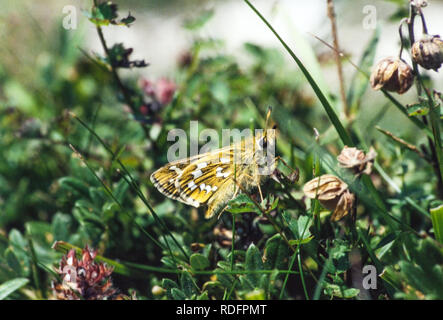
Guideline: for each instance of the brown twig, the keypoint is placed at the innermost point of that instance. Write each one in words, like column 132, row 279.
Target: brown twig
column 402, row 142
column 331, row 15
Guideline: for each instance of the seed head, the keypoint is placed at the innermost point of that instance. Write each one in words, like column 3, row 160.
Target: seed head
column 355, row 159
column 332, row 193
column 428, row 52
column 392, row 74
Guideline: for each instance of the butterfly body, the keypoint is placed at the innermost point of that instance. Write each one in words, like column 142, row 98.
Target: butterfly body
column 215, row 177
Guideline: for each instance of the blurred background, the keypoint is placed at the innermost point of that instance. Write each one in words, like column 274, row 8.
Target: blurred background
column 28, row 29
column 213, row 61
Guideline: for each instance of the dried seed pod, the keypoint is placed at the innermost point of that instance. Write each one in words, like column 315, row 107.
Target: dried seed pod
column 344, row 205
column 392, row 74
column 355, row 159
column 428, row 52
column 325, row 187
column 332, row 193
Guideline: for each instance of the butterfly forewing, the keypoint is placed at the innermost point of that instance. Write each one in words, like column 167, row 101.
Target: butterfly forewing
column 194, row 181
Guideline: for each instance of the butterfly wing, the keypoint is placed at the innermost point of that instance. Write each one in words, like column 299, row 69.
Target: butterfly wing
column 203, row 179
column 199, row 181
column 164, row 179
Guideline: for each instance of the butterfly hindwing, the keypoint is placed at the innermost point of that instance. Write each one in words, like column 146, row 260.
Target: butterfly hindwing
column 201, row 180
column 164, row 179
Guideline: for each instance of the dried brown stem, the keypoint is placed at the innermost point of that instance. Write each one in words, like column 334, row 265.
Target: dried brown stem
column 402, row 142
column 331, row 15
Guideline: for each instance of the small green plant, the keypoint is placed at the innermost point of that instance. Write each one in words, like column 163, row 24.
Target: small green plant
column 81, row 132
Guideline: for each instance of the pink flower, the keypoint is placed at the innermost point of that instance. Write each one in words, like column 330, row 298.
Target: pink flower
column 164, row 90
column 147, row 86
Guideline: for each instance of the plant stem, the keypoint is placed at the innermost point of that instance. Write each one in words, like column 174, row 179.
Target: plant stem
column 120, row 85
column 331, row 15
column 436, row 145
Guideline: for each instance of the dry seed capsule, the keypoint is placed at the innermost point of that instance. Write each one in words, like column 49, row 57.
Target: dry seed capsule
column 332, row 193
column 428, row 52
column 392, row 74
column 357, row 160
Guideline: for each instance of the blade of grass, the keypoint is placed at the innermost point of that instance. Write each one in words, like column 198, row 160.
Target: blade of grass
column 12, row 285
column 109, row 192
column 123, row 268
column 133, row 269
column 131, row 182
column 325, row 103
column 437, row 222
column 322, row 277
column 331, row 114
column 294, row 256
column 34, row 269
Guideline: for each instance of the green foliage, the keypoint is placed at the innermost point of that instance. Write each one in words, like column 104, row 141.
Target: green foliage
column 75, row 166
column 106, row 13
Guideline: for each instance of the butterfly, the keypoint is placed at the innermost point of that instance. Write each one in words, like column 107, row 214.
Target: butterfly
column 216, row 177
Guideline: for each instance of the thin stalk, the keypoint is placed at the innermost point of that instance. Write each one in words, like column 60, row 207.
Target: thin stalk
column 302, row 277
column 109, row 192
column 331, row 15
column 131, row 182
column 344, row 136
column 118, row 81
column 436, row 145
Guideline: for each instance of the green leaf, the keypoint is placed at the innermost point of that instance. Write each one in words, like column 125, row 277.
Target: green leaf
column 340, row 257
column 13, row 262
column 103, row 14
column 19, row 244
column 241, row 204
column 430, row 284
column 437, row 222
column 74, row 185
column 276, row 253
column 220, row 91
column 61, row 224
column 168, row 285
column 340, row 291
column 256, row 294
column 417, row 109
column 225, row 279
column 203, row 296
column 253, row 262
column 177, row 294
column 10, row 286
column 187, row 284
column 299, row 228
column 199, row 261
column 386, row 243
